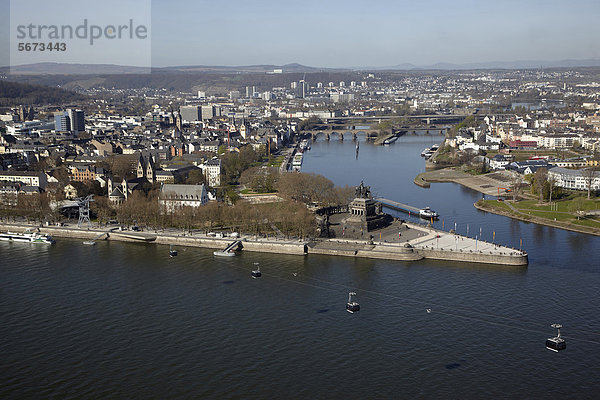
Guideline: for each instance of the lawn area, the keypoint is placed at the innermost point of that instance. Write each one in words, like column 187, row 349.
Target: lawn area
column 552, row 215
column 495, row 204
column 277, row 162
column 561, row 213
column 594, row 223
column 565, row 205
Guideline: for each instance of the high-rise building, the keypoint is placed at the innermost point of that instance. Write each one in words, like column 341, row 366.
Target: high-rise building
column 302, row 89
column 70, row 121
column 267, row 96
column 201, row 94
column 77, row 118
column 342, row 97
column 62, row 122
column 210, row 111
column 234, row 95
column 190, row 113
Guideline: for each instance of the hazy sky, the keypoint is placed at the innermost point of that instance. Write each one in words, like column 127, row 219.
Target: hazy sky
column 333, row 33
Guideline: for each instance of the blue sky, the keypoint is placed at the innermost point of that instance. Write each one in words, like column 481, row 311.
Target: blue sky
column 333, row 33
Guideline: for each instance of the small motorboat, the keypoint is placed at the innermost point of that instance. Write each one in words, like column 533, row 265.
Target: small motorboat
column 428, row 213
column 89, row 242
column 256, row 273
column 172, row 253
column 352, row 306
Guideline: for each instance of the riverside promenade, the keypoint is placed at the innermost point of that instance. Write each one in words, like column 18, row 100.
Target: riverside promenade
column 402, row 241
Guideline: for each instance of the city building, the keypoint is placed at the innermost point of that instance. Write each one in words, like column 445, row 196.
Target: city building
column 77, row 119
column 173, row 197
column 69, row 121
column 190, row 113
column 62, row 122
column 574, row 179
column 25, row 177
column 212, row 172
column 82, row 173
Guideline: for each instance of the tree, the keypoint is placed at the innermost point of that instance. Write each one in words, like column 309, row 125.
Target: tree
column 260, row 179
column 195, row 177
column 62, row 175
column 577, row 206
column 551, row 183
column 309, row 123
column 102, row 209
column 589, row 175
column 516, row 186
column 539, row 178
column 307, row 188
column 123, row 166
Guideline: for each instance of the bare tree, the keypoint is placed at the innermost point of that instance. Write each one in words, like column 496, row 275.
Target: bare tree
column 516, row 186
column 539, row 178
column 551, row 183
column 578, row 207
column 589, row 174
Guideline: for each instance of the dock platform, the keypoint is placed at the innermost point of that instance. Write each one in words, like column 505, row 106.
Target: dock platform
column 394, row 205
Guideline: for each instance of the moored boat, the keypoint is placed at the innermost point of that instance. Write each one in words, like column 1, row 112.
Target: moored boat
column 428, row 213
column 26, row 237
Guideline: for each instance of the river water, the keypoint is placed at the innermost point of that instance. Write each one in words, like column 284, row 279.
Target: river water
column 120, row 320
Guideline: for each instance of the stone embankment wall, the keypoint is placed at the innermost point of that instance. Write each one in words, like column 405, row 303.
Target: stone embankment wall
column 334, row 247
column 474, row 257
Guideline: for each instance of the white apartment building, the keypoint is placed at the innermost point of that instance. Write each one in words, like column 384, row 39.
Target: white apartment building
column 572, row 179
column 212, row 172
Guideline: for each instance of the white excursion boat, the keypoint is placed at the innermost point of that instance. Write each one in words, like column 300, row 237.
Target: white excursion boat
column 428, row 213
column 26, row 237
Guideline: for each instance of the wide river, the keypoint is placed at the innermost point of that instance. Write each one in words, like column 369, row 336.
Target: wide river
column 120, row 320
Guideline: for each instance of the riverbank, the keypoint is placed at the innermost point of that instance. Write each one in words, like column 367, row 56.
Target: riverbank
column 423, row 243
column 510, row 211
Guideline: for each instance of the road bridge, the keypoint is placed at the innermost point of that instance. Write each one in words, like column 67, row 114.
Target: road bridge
column 425, row 118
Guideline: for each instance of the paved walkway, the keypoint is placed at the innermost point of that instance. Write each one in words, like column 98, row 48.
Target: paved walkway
column 440, row 240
